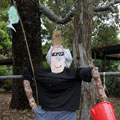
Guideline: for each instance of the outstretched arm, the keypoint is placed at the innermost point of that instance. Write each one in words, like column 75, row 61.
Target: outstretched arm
column 96, row 77
column 28, row 92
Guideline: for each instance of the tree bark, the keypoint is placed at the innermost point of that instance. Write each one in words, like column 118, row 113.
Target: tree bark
column 30, row 15
column 82, row 54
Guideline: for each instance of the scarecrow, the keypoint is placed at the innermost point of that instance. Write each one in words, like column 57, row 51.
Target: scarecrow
column 59, row 87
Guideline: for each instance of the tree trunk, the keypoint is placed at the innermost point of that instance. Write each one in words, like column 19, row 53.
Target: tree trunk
column 82, row 54
column 30, row 15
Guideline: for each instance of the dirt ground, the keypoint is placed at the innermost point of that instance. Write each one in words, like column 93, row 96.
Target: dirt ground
column 8, row 114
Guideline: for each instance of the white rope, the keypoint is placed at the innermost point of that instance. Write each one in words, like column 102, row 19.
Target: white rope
column 104, row 81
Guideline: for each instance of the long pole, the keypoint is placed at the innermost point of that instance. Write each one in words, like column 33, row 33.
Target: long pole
column 21, row 76
column 110, row 73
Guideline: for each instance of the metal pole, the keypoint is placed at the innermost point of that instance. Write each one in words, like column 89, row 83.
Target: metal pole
column 11, row 77
column 21, row 76
column 110, row 73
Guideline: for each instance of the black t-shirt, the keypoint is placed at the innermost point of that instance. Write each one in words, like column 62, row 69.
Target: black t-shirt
column 59, row 91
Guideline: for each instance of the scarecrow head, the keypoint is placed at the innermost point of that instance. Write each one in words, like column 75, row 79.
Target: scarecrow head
column 58, row 58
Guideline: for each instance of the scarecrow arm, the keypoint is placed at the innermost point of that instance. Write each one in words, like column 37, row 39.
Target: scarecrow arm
column 28, row 92
column 101, row 92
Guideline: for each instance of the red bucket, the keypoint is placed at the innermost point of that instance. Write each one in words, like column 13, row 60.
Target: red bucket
column 103, row 111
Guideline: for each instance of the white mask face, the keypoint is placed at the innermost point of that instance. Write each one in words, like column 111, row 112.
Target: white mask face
column 57, row 59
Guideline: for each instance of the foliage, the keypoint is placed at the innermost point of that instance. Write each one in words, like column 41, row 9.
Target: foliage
column 106, row 28
column 108, row 66
column 113, row 86
column 62, row 9
column 5, row 35
column 46, row 47
column 5, row 40
column 45, row 64
column 105, row 35
column 5, row 84
column 5, row 44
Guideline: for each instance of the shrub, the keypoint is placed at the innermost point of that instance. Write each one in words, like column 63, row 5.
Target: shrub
column 5, row 85
column 113, row 86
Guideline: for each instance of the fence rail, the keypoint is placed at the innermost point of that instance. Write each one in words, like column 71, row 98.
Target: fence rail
column 11, row 77
column 110, row 73
column 21, row 76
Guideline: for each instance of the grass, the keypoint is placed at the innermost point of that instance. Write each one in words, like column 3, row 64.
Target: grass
column 8, row 114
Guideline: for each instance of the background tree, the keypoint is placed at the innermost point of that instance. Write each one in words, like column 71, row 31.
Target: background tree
column 82, row 51
column 30, row 15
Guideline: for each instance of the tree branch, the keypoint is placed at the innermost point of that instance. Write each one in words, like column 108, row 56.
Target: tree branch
column 102, row 9
column 117, row 1
column 106, row 8
column 54, row 17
